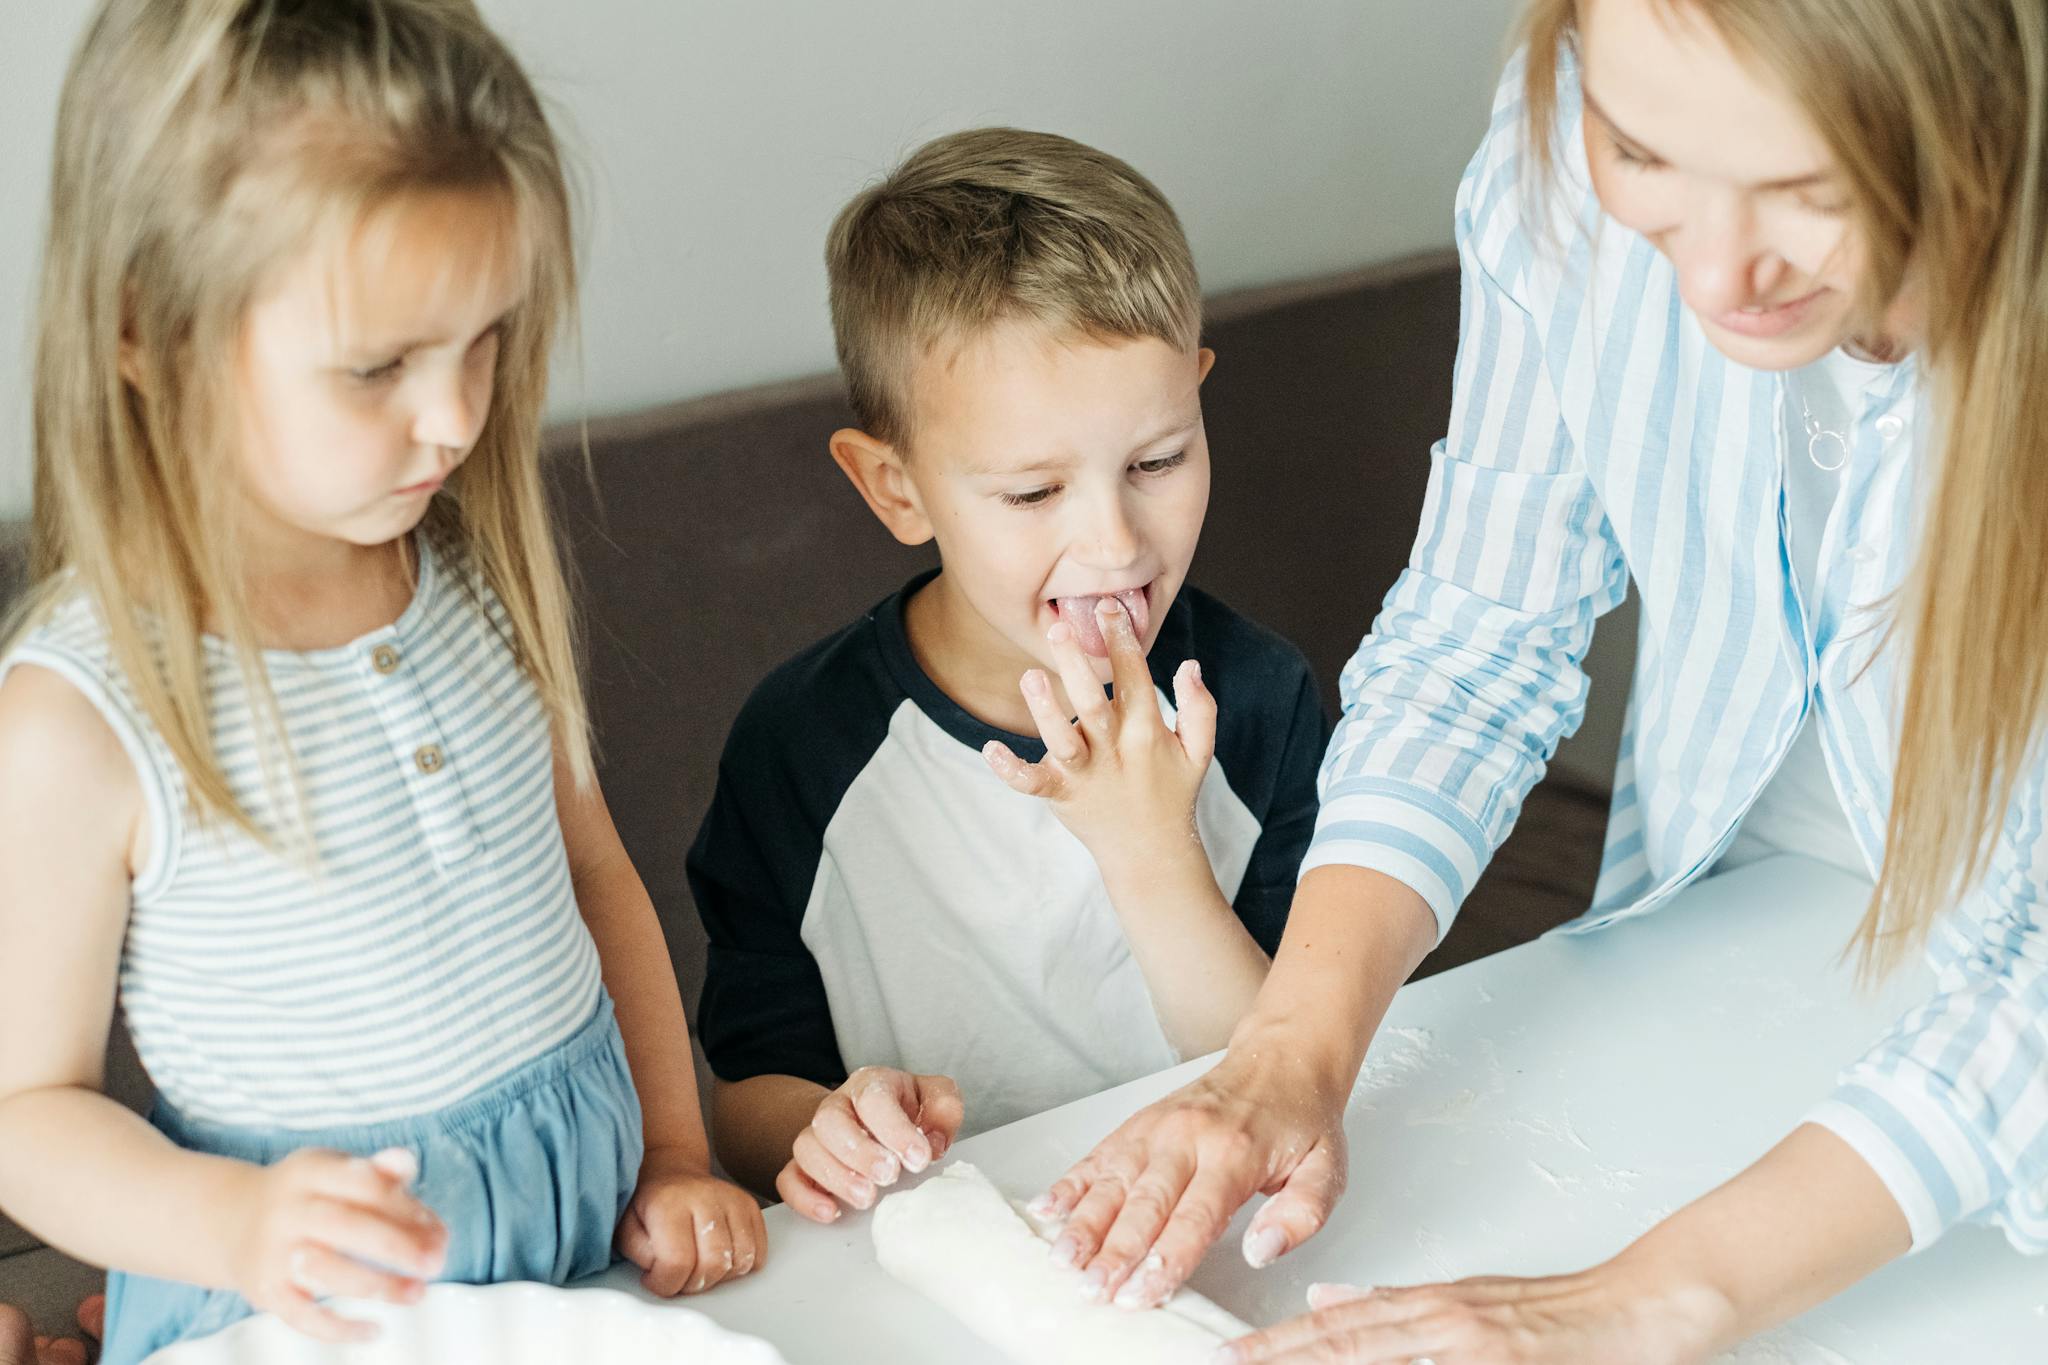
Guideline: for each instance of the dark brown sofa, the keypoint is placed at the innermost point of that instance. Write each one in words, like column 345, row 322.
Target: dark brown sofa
column 715, row 537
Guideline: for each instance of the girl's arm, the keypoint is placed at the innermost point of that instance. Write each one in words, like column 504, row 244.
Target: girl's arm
column 78, row 1169
column 634, row 956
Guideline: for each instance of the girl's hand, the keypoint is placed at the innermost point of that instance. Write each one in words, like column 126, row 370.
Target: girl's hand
column 1605, row 1316
column 1117, row 777
column 687, row 1230
column 320, row 1224
column 869, row 1131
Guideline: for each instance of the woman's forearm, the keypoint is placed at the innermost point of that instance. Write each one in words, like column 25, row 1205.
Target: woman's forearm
column 1804, row 1223
column 1353, row 937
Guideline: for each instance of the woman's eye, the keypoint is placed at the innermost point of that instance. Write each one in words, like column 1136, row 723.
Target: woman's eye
column 1627, row 157
column 1031, row 499
column 1163, row 463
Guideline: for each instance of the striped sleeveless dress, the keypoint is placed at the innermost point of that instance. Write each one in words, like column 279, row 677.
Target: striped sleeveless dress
column 425, row 980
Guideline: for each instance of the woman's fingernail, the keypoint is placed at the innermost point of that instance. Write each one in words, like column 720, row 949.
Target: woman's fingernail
column 1094, row 1283
column 1139, row 1291
column 918, row 1157
column 1329, row 1295
column 1042, row 1207
column 1066, row 1251
column 886, row 1170
column 1263, row 1246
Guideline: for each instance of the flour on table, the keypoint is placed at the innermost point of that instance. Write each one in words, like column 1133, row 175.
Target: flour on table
column 1781, row 1348
column 957, row 1240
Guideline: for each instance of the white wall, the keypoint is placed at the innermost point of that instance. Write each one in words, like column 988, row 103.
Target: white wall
column 720, row 136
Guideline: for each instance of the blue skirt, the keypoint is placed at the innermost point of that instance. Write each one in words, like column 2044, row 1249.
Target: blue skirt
column 531, row 1175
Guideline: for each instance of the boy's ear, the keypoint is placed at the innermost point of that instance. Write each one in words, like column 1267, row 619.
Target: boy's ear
column 876, row 471
column 1205, row 361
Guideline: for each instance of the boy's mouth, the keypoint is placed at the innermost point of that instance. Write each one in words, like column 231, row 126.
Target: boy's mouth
column 1079, row 614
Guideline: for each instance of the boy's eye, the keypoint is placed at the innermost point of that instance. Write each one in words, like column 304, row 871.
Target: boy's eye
column 1163, row 463
column 1030, row 499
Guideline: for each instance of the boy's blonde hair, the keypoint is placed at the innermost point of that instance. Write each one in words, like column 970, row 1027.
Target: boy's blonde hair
column 203, row 145
column 1937, row 113
column 992, row 225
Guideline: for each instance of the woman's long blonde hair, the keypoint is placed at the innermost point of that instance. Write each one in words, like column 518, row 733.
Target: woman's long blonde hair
column 201, row 146
column 1937, row 113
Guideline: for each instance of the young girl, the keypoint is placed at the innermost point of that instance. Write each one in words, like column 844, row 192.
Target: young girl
column 291, row 741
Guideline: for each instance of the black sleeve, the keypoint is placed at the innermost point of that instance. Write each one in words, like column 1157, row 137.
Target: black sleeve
column 764, row 1010
column 1289, row 820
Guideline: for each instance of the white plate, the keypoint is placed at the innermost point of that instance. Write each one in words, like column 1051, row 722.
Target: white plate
column 499, row 1324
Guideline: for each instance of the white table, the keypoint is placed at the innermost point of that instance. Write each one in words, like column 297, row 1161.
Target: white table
column 1526, row 1114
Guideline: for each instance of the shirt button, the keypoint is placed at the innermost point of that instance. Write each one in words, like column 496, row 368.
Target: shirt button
column 429, row 758
column 384, row 659
column 1890, row 425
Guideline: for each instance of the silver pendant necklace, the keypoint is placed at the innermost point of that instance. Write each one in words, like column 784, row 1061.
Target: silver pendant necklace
column 1821, row 442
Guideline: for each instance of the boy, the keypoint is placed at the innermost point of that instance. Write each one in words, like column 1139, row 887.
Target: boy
column 945, row 878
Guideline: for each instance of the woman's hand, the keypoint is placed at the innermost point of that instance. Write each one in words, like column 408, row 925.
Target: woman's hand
column 321, row 1223
column 1157, row 1192
column 1611, row 1315
column 687, row 1230
column 865, row 1135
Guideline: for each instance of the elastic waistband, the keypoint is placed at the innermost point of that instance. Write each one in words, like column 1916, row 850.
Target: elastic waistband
column 265, row 1145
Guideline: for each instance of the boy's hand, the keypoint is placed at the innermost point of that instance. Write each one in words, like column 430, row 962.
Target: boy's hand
column 1117, row 777
column 687, row 1230
column 320, row 1224
column 865, row 1135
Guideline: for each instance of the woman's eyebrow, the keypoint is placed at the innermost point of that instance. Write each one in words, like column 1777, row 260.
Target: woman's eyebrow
column 1791, row 182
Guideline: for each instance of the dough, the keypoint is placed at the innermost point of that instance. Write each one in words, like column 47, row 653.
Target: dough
column 957, row 1240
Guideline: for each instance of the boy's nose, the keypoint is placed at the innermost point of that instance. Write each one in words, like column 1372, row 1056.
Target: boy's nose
column 1111, row 540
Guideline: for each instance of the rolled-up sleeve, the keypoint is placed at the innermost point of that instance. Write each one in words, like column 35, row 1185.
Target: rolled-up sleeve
column 1471, row 674
column 1950, row 1107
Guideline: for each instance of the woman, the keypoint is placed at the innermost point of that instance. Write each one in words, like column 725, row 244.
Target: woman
column 1756, row 314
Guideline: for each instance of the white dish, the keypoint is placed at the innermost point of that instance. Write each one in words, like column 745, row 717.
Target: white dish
column 500, row 1324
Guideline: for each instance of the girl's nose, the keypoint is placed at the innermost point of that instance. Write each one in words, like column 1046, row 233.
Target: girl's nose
column 454, row 418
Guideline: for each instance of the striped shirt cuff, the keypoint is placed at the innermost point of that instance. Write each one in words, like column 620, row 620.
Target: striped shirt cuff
column 1915, row 1146
column 1411, row 833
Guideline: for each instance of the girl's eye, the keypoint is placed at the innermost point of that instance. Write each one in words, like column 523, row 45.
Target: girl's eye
column 1031, row 499
column 1828, row 210
column 378, row 374
column 1163, row 463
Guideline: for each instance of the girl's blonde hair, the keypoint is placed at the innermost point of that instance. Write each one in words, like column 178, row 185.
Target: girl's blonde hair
column 1937, row 113
column 202, row 145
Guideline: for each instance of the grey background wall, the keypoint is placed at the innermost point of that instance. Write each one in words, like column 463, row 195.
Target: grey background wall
column 720, row 136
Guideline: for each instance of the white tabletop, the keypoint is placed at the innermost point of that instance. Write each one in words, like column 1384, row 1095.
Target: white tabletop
column 1526, row 1114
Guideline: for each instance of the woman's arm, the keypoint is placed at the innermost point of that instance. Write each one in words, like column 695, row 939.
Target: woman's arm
column 1807, row 1221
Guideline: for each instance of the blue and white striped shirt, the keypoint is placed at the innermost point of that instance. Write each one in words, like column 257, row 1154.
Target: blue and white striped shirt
column 436, row 947
column 1596, row 435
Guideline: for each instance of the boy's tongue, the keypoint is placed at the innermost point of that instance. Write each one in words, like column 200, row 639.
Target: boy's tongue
column 1079, row 614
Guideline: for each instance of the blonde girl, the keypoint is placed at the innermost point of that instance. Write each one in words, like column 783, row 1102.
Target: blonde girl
column 293, row 754
column 1756, row 316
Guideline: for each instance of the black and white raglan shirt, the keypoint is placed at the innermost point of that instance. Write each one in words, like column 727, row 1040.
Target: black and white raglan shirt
column 875, row 896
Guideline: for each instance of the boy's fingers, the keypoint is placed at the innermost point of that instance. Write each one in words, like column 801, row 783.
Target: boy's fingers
column 804, row 1195
column 884, row 1105
column 749, row 1237
column 1194, row 714
column 831, row 1174
column 1064, row 740
column 1134, row 698
column 92, row 1316
column 715, row 1256
column 940, row 1107
column 845, row 1135
column 1084, row 689
column 300, row 1313
column 1026, row 779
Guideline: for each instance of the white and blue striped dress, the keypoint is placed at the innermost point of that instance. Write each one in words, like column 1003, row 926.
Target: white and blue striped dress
column 1597, row 436
column 435, row 944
